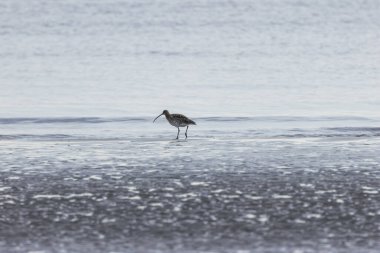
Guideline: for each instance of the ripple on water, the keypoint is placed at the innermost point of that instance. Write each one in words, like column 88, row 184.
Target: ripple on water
column 371, row 192
column 313, row 216
column 253, row 197
column 5, row 188
column 156, row 204
column 129, row 197
column 93, row 177
column 57, row 196
column 249, row 216
column 199, row 183
column 278, row 196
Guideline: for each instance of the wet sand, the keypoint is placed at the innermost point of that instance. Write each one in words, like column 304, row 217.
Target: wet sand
column 147, row 196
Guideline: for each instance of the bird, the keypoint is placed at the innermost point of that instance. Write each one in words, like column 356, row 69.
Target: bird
column 177, row 120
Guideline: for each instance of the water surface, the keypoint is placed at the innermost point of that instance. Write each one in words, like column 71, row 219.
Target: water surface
column 285, row 156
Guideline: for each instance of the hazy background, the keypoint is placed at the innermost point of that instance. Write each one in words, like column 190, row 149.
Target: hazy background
column 200, row 58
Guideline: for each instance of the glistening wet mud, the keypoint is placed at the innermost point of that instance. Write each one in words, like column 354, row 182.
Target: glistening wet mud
column 279, row 195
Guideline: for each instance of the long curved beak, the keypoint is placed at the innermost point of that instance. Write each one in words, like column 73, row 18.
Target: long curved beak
column 157, row 117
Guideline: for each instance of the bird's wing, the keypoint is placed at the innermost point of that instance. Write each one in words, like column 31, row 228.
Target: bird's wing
column 184, row 119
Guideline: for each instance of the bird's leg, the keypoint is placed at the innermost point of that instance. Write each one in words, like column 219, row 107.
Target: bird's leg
column 186, row 131
column 177, row 133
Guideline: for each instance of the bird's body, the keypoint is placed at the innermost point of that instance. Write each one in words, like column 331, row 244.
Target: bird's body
column 177, row 120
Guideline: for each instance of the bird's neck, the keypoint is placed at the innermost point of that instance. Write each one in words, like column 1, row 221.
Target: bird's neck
column 168, row 116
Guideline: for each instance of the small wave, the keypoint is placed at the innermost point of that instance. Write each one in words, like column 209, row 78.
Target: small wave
column 356, row 129
column 97, row 120
column 89, row 120
column 85, row 120
column 316, row 135
column 336, row 132
column 286, row 119
column 35, row 137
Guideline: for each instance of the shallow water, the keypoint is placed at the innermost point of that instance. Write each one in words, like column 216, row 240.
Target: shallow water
column 125, row 185
column 203, row 58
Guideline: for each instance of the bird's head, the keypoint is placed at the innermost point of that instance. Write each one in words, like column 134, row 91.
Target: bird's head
column 164, row 112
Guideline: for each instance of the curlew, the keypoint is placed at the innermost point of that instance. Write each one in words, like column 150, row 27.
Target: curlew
column 177, row 120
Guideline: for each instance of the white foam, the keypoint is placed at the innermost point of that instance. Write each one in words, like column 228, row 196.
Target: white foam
column 93, row 177
column 131, row 188
column 307, row 185
column 218, row 191
column 14, row 178
column 56, row 196
column 88, row 214
column 47, row 196
column 371, row 192
column 199, row 184
column 109, row 220
column 253, row 197
column 76, row 195
column 278, row 196
column 263, row 218
column 313, row 215
column 4, row 188
column 249, row 216
column 177, row 208
column 69, row 179
column 157, row 204
column 11, row 202
column 326, row 191
column 299, row 221
column 130, row 197
column 231, row 196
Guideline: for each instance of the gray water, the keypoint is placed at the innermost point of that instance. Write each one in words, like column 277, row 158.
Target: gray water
column 284, row 156
column 204, row 58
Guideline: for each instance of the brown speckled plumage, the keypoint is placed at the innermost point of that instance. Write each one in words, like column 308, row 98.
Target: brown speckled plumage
column 177, row 120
